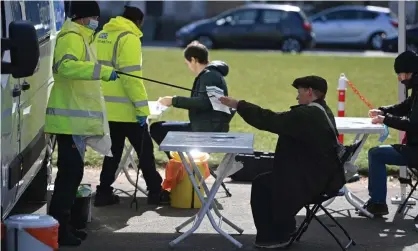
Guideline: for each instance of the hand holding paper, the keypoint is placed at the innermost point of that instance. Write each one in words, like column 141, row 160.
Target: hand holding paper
column 214, row 94
column 228, row 101
column 159, row 106
column 166, row 101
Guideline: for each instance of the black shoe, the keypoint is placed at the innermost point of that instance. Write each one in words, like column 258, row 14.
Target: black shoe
column 161, row 198
column 377, row 209
column 105, row 199
column 67, row 238
column 82, row 235
column 272, row 244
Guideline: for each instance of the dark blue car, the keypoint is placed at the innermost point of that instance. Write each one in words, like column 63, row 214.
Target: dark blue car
column 390, row 44
column 275, row 26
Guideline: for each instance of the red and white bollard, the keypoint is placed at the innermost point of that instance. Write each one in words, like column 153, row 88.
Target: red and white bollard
column 342, row 87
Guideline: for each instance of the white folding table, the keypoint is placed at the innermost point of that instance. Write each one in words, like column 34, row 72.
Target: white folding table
column 362, row 127
column 128, row 159
column 229, row 143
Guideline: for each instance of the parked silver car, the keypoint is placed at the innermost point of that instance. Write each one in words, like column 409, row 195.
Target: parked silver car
column 355, row 25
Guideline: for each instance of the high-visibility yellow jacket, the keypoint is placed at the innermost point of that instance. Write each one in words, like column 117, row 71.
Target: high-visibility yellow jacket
column 76, row 104
column 119, row 45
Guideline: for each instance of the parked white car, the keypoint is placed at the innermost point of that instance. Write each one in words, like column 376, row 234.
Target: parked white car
column 355, row 25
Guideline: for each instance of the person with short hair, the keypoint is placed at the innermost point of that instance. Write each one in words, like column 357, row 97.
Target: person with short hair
column 306, row 163
column 402, row 117
column 201, row 114
column 119, row 45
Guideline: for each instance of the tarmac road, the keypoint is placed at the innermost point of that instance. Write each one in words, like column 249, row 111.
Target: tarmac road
column 123, row 228
column 316, row 51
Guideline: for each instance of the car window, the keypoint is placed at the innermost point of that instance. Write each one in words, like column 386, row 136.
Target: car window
column 243, row 17
column 296, row 17
column 342, row 15
column 38, row 13
column 367, row 15
column 273, row 16
column 391, row 15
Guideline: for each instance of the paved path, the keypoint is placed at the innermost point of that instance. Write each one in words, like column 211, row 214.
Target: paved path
column 315, row 51
column 120, row 227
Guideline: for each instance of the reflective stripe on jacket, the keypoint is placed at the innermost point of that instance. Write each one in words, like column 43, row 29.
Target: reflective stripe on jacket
column 119, row 45
column 76, row 104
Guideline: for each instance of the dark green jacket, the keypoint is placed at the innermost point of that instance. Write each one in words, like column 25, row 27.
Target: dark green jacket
column 201, row 114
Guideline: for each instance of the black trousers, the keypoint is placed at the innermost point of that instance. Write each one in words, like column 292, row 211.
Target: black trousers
column 69, row 176
column 271, row 225
column 160, row 129
column 140, row 139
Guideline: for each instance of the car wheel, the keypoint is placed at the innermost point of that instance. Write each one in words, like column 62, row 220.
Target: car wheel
column 412, row 47
column 206, row 41
column 291, row 45
column 376, row 41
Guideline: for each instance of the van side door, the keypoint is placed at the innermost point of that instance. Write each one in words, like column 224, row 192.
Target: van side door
column 35, row 97
column 10, row 115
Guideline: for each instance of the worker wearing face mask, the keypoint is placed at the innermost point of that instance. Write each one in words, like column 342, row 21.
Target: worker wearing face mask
column 75, row 111
column 402, row 117
column 119, row 46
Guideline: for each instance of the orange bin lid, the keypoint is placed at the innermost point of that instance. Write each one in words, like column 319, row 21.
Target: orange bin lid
column 198, row 157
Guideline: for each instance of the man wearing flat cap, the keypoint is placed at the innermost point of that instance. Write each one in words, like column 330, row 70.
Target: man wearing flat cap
column 75, row 111
column 402, row 117
column 305, row 162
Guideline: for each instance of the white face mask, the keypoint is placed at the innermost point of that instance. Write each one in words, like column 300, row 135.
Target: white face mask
column 93, row 24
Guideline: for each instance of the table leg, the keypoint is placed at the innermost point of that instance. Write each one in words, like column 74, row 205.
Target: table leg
column 226, row 161
column 205, row 210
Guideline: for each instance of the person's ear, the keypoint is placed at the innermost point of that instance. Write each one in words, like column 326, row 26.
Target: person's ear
column 310, row 91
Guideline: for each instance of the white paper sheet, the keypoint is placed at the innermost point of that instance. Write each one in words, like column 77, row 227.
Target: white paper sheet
column 214, row 93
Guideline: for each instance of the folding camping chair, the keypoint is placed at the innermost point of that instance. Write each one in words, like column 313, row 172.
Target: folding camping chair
column 311, row 213
column 317, row 205
column 413, row 171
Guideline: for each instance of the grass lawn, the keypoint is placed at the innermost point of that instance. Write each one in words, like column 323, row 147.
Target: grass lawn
column 265, row 79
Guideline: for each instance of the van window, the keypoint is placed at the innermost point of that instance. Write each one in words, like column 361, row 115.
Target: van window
column 3, row 21
column 59, row 9
column 38, row 13
column 16, row 10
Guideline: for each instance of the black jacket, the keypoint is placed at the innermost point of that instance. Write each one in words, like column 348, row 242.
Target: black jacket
column 305, row 162
column 201, row 114
column 404, row 117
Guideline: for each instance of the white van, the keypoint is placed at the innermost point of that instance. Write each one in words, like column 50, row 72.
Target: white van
column 26, row 151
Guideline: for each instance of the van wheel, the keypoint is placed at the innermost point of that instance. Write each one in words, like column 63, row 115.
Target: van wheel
column 36, row 192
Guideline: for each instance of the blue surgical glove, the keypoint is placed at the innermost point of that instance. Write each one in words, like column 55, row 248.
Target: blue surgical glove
column 141, row 120
column 113, row 76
